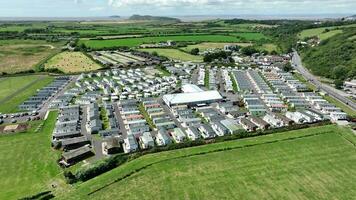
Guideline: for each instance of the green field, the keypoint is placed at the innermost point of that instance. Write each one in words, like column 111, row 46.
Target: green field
column 15, row 90
column 72, row 62
column 314, row 163
column 175, row 54
column 319, row 32
column 132, row 42
column 23, row 55
column 28, row 163
column 212, row 45
column 9, row 85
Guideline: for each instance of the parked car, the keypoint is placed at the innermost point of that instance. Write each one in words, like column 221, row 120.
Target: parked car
column 13, row 121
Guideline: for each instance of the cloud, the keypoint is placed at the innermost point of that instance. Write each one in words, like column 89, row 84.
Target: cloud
column 96, row 8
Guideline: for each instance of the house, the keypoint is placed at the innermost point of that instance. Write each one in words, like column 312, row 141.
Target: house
column 248, row 125
column 206, row 131
column 274, row 121
column 219, row 129
column 260, row 123
column 335, row 116
column 130, row 144
column 193, row 133
column 146, row 140
column 111, row 146
column 73, row 143
column 162, row 138
column 296, row 117
column 71, row 157
column 232, row 126
column 178, row 135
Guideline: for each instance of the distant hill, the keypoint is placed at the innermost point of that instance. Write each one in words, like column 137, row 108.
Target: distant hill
column 115, row 16
column 350, row 18
column 153, row 18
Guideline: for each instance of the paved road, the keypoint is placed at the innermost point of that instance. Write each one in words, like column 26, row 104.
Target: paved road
column 337, row 94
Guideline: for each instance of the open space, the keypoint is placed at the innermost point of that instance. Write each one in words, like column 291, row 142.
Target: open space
column 28, row 164
column 132, row 42
column 72, row 62
column 15, row 90
column 23, row 55
column 322, row 33
column 212, row 45
column 314, row 163
column 175, row 54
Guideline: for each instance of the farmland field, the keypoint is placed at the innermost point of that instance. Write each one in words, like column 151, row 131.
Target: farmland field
column 320, row 32
column 71, row 62
column 212, row 45
column 132, row 42
column 22, row 55
column 15, row 90
column 28, row 164
column 175, row 54
column 314, row 163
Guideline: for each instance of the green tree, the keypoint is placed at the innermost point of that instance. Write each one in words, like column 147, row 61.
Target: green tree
column 194, row 51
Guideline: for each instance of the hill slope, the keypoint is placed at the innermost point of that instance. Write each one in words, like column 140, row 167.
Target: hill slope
column 335, row 57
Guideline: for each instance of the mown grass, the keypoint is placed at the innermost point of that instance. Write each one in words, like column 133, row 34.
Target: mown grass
column 9, row 85
column 11, row 105
column 175, row 54
column 314, row 163
column 28, row 163
column 72, row 62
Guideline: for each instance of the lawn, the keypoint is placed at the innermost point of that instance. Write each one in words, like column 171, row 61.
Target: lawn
column 320, row 32
column 175, row 54
column 72, row 62
column 212, row 45
column 9, row 85
column 23, row 55
column 269, row 47
column 314, row 163
column 20, row 91
column 28, row 163
column 132, row 42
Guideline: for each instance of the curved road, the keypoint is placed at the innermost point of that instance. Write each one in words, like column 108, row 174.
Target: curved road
column 337, row 94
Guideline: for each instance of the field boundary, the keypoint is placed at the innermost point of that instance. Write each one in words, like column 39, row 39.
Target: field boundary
column 204, row 153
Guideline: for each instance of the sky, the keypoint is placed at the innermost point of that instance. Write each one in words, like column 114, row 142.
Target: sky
column 96, row 8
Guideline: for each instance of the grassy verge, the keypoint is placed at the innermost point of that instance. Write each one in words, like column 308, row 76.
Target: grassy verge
column 146, row 116
column 234, row 84
column 104, row 118
column 28, row 163
column 206, row 78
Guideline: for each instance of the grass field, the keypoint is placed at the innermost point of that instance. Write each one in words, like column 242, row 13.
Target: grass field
column 71, row 62
column 22, row 55
column 28, row 164
column 15, row 90
column 314, row 163
column 211, row 45
column 9, row 85
column 132, row 42
column 320, row 32
column 175, row 54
